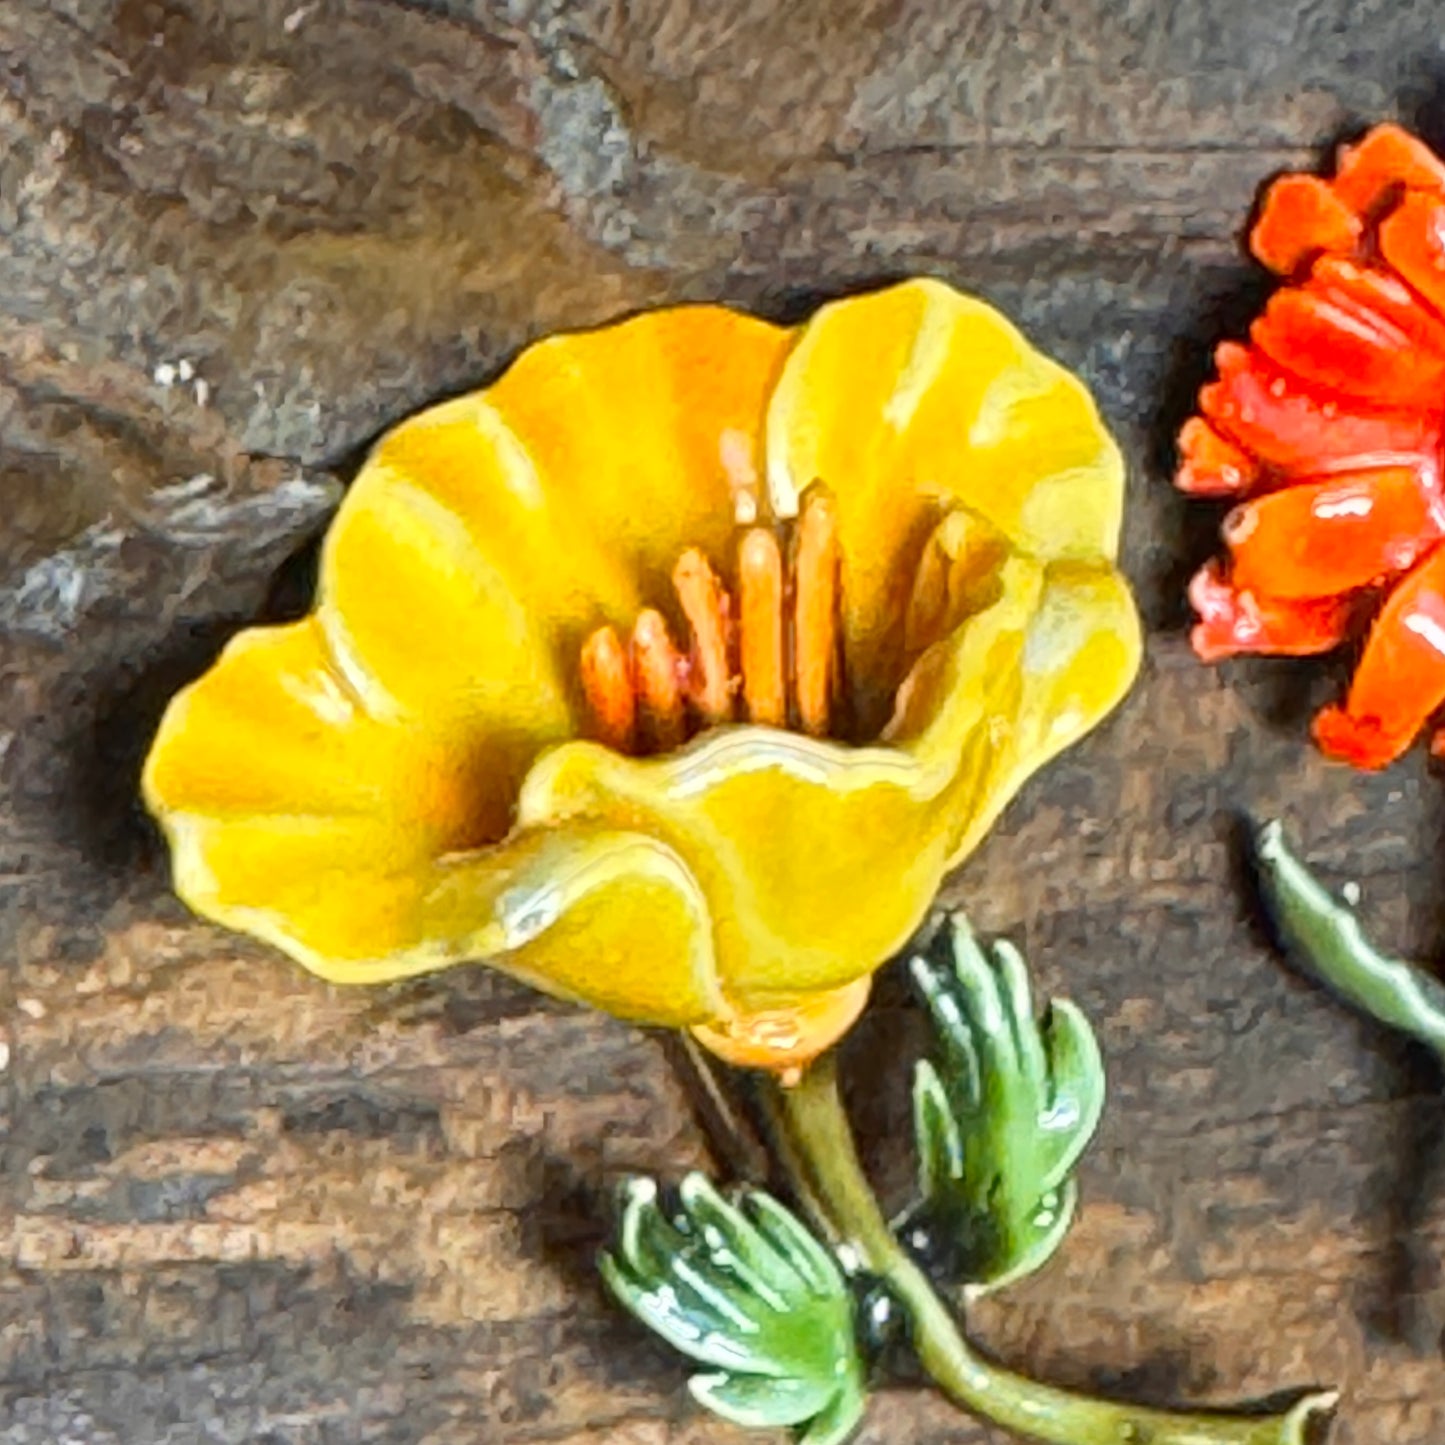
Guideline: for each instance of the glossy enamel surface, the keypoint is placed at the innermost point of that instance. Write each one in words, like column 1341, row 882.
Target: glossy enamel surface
column 1327, row 427
column 399, row 782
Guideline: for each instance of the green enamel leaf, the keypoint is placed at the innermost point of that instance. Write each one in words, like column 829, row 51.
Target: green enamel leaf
column 1001, row 1115
column 1324, row 934
column 737, row 1283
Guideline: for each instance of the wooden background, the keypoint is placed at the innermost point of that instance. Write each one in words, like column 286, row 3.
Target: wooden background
column 239, row 1206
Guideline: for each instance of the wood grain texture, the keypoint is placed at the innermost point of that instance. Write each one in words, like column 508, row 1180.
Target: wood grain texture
column 239, row 1206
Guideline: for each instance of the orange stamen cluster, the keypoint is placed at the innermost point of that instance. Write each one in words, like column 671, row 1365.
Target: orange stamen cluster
column 770, row 655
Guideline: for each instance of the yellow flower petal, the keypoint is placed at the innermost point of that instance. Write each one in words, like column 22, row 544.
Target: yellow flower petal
column 315, row 782
column 797, row 843
column 275, row 729
column 914, row 399
column 486, row 537
column 294, row 816
column 424, row 602
column 561, row 908
column 1080, row 657
column 646, row 430
column 1012, row 687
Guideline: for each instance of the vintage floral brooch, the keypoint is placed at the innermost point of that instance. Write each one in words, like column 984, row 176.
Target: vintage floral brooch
column 670, row 674
column 1327, row 427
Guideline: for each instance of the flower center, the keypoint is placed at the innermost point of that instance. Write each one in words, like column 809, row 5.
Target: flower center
column 771, row 651
column 770, row 654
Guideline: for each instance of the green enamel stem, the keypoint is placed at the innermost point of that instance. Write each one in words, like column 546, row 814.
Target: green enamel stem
column 1325, row 934
column 822, row 1143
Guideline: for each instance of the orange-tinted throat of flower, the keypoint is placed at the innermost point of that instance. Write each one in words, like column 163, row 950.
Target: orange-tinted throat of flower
column 770, row 650
column 765, row 652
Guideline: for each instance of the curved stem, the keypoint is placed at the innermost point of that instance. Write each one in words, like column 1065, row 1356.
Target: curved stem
column 820, row 1143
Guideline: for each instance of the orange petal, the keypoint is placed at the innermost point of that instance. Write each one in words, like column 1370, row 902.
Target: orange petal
column 760, row 594
column 815, row 612
column 1401, row 677
column 1210, row 465
column 1347, row 349
column 1277, row 418
column 1372, row 292
column 1233, row 622
column 607, row 685
column 1302, row 216
column 1321, row 538
column 1386, row 160
column 710, row 677
column 1412, row 240
column 657, row 668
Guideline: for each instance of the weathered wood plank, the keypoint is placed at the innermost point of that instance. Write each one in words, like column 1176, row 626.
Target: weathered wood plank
column 238, row 1205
